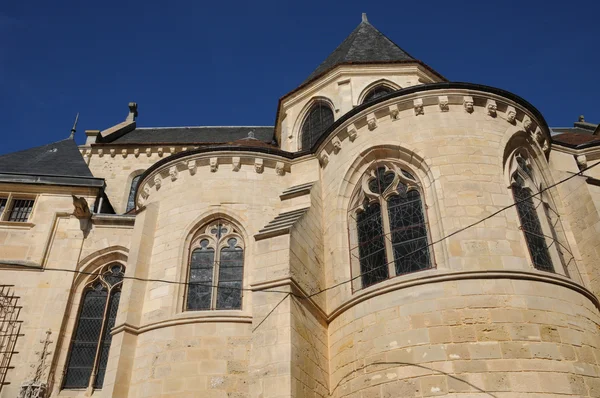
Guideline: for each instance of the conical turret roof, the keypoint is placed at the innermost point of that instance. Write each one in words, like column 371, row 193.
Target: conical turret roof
column 364, row 45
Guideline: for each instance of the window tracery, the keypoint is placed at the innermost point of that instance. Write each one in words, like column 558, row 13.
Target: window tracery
column 216, row 268
column 318, row 119
column 389, row 233
column 532, row 212
column 90, row 343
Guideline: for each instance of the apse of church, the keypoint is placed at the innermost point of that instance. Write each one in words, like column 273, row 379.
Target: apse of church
column 394, row 234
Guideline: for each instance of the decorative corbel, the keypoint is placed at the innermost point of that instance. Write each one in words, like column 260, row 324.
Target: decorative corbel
column 527, row 124
column 146, row 191
column 280, row 168
column 141, row 201
column 172, row 150
column 418, row 106
column 337, row 144
column 183, row 149
column 352, row 132
column 324, row 159
column 443, row 102
column 191, row 165
column 492, row 107
column 372, row 121
column 157, row 181
column 173, row 172
column 581, row 161
column 100, row 152
column 235, row 163
column 511, row 114
column 148, row 152
column 160, row 152
column 394, row 111
column 136, row 152
column 214, row 164
column 259, row 166
column 112, row 153
column 124, row 153
column 468, row 103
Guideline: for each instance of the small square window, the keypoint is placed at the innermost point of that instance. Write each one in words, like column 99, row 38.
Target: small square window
column 20, row 210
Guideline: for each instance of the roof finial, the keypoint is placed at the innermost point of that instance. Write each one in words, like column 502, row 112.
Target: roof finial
column 251, row 134
column 133, row 112
column 581, row 118
column 74, row 129
column 364, row 17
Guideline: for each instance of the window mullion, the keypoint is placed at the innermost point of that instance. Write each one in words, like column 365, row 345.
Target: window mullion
column 100, row 339
column 215, row 281
column 389, row 250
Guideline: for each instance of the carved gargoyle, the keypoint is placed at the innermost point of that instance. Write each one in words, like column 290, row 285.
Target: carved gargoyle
column 82, row 210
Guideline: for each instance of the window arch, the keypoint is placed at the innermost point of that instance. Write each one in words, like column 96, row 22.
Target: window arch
column 317, row 120
column 377, row 92
column 215, row 268
column 131, row 197
column 532, row 211
column 90, row 343
column 388, row 227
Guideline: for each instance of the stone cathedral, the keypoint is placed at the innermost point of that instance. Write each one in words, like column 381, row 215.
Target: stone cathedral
column 394, row 234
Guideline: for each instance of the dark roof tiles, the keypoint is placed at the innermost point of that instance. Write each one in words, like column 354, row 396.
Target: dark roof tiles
column 364, row 45
column 60, row 158
column 194, row 135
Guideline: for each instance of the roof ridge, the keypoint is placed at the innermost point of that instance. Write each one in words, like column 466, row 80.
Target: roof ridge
column 198, row 127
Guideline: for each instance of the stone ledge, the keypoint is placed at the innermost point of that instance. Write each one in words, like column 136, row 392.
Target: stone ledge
column 401, row 282
column 195, row 318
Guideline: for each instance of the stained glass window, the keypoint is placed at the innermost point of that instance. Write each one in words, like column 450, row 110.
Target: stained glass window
column 377, row 92
column 319, row 118
column 90, row 344
column 529, row 218
column 216, row 269
column 391, row 230
column 131, row 197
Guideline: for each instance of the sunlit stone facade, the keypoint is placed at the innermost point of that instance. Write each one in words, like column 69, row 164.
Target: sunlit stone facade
column 422, row 243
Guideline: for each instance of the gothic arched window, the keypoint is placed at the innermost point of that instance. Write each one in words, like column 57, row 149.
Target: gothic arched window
column 377, row 92
column 318, row 119
column 388, row 227
column 216, row 268
column 532, row 212
column 90, row 344
column 131, row 198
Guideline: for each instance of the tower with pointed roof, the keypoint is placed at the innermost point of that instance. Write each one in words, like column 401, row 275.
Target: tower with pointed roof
column 394, row 234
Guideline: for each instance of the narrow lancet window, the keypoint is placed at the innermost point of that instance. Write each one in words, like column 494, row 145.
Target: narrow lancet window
column 377, row 92
column 90, row 344
column 319, row 118
column 131, row 198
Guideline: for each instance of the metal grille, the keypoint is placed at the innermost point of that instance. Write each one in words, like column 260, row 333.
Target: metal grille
column 10, row 328
column 231, row 272
column 85, row 341
column 409, row 233
column 318, row 120
column 2, row 206
column 371, row 245
column 21, row 209
column 105, row 345
column 131, row 198
column 377, row 92
column 201, row 273
column 530, row 224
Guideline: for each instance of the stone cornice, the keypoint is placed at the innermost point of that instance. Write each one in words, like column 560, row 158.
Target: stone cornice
column 206, row 317
column 496, row 104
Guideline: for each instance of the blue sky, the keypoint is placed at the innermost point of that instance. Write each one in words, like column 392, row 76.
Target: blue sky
column 190, row 63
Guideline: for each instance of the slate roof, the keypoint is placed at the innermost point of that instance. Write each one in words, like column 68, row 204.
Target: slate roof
column 364, row 45
column 194, row 135
column 582, row 135
column 61, row 158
